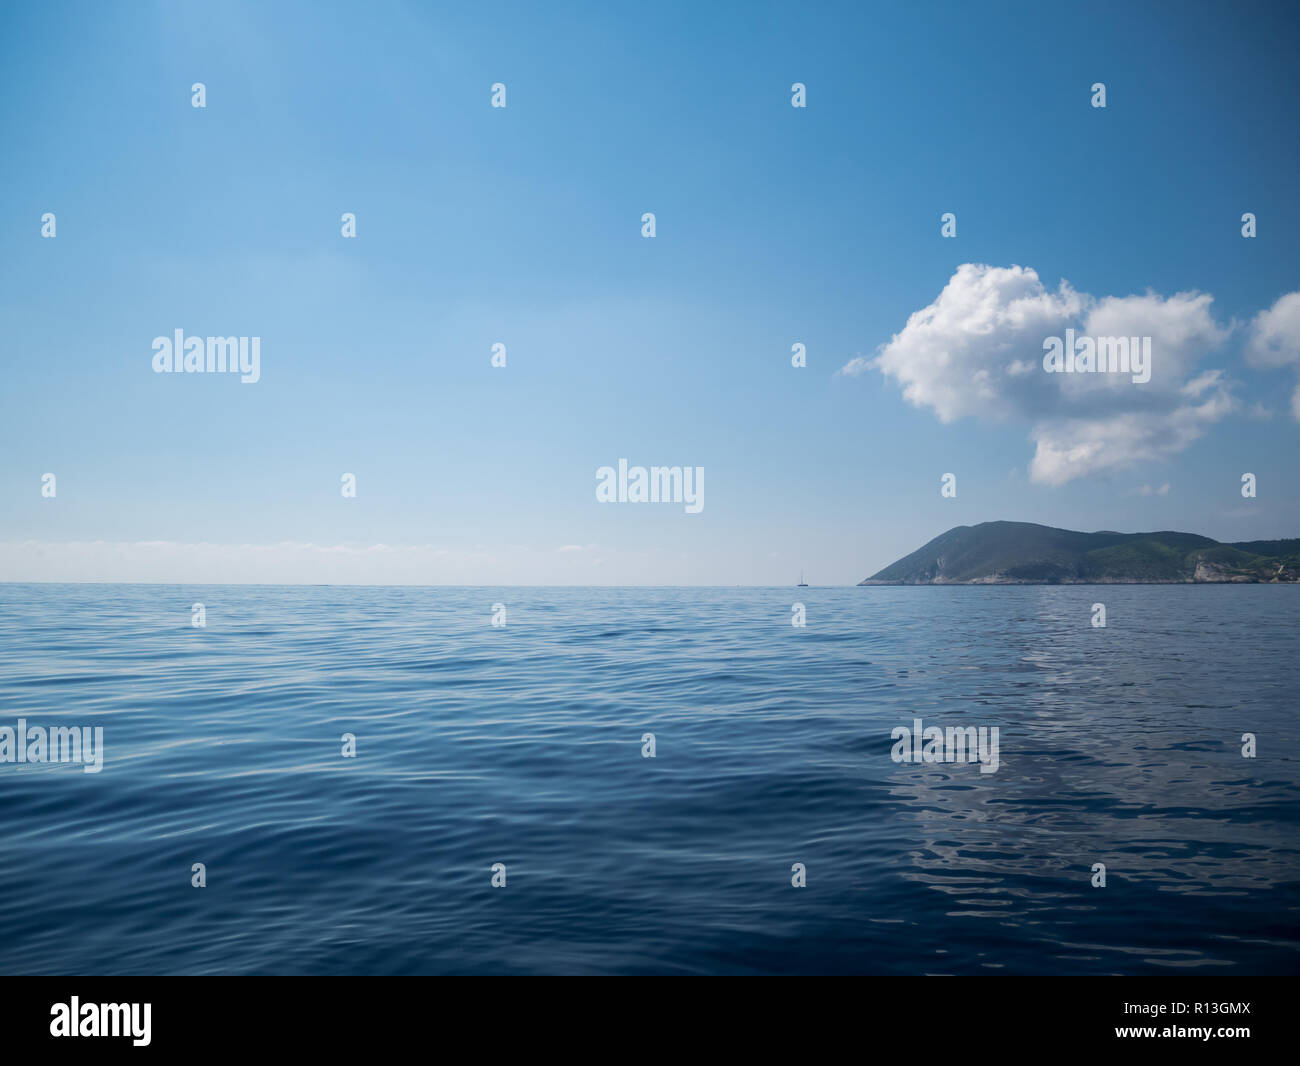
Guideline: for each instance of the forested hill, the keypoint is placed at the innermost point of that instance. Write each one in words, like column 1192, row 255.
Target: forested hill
column 1023, row 553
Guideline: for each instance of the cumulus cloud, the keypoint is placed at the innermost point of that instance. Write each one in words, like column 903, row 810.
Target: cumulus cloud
column 1274, row 339
column 977, row 351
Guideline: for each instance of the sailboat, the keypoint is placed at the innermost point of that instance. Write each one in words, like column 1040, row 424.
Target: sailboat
column 802, row 583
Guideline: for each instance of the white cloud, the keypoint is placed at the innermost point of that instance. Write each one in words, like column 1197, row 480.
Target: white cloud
column 965, row 353
column 977, row 350
column 1274, row 339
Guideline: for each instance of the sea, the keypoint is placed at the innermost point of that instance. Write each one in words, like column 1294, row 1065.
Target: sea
column 412, row 780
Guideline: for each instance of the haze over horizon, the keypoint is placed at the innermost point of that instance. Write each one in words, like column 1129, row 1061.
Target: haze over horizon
column 522, row 226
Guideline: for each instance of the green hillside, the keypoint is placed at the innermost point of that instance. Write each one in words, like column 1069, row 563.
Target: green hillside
column 1009, row 553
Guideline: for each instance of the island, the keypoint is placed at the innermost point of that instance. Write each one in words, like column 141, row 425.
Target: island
column 1024, row 553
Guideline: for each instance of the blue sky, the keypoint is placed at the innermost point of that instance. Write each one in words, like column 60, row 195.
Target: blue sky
column 522, row 225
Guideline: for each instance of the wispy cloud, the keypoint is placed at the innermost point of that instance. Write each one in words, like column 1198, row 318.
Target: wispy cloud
column 303, row 562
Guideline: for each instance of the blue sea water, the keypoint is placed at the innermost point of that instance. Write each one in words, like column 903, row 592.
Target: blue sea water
column 522, row 745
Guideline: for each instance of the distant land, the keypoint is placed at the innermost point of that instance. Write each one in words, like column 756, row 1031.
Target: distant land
column 1023, row 553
